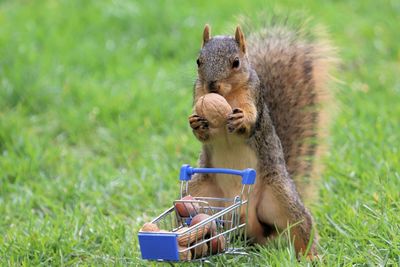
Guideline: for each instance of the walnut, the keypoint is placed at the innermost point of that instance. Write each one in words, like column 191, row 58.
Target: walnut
column 214, row 108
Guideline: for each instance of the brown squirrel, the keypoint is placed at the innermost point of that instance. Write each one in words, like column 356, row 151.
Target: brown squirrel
column 274, row 83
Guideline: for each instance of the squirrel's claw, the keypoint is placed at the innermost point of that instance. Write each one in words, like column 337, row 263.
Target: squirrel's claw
column 235, row 122
column 196, row 122
column 200, row 127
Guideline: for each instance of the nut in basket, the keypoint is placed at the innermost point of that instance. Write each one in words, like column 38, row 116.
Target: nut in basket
column 192, row 228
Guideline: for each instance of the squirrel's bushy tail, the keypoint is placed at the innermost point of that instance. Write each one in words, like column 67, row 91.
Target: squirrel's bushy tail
column 295, row 74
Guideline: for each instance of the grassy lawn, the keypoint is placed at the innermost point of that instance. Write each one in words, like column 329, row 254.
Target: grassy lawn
column 94, row 100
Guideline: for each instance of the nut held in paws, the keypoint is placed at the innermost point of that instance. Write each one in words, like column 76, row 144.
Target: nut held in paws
column 214, row 108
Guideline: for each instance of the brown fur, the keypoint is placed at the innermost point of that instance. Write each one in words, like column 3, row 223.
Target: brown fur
column 273, row 97
column 296, row 75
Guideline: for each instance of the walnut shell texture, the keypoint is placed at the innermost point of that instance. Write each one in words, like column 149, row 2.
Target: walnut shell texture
column 149, row 227
column 214, row 108
column 194, row 235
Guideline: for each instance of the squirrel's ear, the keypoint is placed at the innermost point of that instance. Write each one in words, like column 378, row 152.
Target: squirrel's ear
column 206, row 34
column 239, row 36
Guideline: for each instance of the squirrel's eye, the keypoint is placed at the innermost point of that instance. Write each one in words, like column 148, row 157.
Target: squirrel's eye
column 235, row 63
column 198, row 63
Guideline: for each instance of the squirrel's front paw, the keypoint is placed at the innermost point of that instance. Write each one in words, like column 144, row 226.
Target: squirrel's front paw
column 200, row 127
column 236, row 121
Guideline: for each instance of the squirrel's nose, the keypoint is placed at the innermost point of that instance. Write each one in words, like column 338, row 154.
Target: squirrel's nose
column 212, row 86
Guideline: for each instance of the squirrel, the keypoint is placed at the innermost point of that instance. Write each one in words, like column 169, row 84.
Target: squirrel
column 275, row 83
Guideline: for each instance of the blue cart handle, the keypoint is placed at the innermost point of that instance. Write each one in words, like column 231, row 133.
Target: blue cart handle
column 248, row 175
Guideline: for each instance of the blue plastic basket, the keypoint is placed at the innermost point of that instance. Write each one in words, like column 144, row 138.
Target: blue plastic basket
column 224, row 216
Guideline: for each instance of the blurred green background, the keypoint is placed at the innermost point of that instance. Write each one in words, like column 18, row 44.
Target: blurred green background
column 94, row 100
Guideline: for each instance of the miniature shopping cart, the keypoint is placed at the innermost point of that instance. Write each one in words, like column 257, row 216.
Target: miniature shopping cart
column 223, row 230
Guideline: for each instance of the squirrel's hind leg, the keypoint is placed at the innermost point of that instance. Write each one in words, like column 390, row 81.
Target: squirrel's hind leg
column 280, row 206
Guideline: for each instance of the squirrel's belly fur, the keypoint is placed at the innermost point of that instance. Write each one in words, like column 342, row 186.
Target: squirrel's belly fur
column 230, row 151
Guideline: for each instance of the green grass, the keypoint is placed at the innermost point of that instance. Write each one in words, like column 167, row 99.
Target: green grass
column 94, row 100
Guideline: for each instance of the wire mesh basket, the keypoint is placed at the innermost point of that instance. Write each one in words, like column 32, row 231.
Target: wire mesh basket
column 200, row 227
